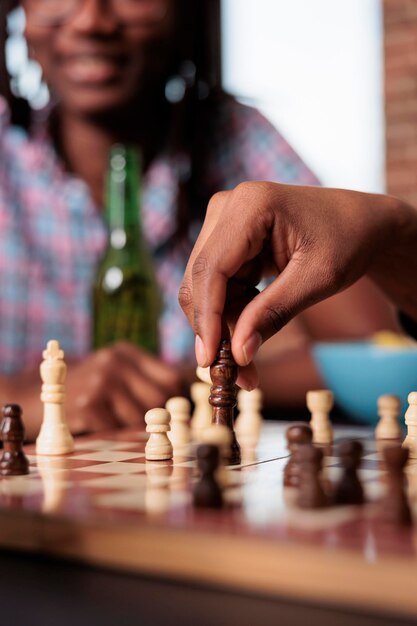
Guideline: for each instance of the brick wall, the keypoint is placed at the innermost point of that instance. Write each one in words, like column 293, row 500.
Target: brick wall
column 400, row 47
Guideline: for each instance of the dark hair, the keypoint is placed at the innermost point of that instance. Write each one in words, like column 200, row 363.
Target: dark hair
column 200, row 43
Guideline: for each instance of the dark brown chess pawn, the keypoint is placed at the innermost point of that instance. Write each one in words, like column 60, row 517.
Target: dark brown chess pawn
column 310, row 491
column 223, row 393
column 207, row 493
column 13, row 461
column 394, row 505
column 297, row 435
column 349, row 489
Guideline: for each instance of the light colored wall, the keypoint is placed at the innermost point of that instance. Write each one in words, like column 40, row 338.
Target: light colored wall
column 315, row 68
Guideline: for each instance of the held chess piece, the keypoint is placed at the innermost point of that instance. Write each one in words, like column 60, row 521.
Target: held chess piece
column 207, row 493
column 222, row 398
column 54, row 436
column 13, row 461
column 296, row 435
column 349, row 489
column 158, row 447
column 179, row 409
column 389, row 409
column 394, row 505
column 320, row 403
column 249, row 421
column 310, row 492
column 410, row 441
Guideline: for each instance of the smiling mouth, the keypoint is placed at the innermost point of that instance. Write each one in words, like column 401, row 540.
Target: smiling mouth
column 92, row 69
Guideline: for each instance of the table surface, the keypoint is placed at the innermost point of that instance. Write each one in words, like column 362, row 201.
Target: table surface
column 105, row 507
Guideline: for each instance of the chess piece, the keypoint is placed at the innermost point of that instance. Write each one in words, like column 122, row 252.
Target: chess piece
column 410, row 441
column 320, row 403
column 249, row 421
column 310, row 491
column 54, row 436
column 222, row 398
column 207, row 493
column 389, row 408
column 202, row 415
column 394, row 507
column 220, row 436
column 349, row 489
column 179, row 409
column 13, row 461
column 158, row 447
column 297, row 435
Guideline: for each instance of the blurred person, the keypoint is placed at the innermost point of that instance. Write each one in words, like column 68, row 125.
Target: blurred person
column 144, row 72
column 316, row 242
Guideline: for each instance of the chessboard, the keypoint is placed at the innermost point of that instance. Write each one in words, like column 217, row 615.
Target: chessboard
column 105, row 505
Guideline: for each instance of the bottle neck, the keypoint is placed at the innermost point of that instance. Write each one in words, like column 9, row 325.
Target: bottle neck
column 123, row 197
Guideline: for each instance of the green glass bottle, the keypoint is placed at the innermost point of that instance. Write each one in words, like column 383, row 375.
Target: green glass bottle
column 126, row 297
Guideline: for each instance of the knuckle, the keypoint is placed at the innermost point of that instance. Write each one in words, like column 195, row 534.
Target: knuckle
column 185, row 296
column 201, row 267
column 105, row 357
column 277, row 317
column 216, row 201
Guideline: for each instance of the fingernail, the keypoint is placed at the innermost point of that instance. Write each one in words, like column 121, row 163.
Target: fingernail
column 251, row 347
column 244, row 383
column 200, row 352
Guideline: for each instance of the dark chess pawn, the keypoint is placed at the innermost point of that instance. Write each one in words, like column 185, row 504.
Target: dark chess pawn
column 394, row 505
column 310, row 492
column 297, row 435
column 349, row 489
column 13, row 461
column 207, row 493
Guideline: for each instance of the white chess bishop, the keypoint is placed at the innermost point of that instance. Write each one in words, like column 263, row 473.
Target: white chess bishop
column 54, row 436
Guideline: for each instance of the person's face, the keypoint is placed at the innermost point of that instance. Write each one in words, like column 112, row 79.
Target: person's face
column 98, row 57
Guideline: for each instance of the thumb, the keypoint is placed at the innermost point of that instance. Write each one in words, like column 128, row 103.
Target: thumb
column 300, row 285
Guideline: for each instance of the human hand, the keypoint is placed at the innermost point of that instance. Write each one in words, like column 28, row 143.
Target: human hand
column 316, row 242
column 112, row 387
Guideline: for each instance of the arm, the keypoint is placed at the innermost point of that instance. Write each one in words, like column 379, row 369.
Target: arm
column 317, row 242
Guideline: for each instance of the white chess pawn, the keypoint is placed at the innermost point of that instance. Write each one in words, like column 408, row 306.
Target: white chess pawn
column 249, row 421
column 389, row 409
column 203, row 412
column 410, row 441
column 320, row 403
column 180, row 410
column 54, row 436
column 158, row 447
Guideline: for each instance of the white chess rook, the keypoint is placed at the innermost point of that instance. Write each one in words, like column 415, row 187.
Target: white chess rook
column 158, row 447
column 389, row 408
column 410, row 441
column 54, row 437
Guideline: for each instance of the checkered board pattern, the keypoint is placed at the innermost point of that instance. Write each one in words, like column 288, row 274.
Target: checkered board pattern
column 106, row 505
column 107, row 477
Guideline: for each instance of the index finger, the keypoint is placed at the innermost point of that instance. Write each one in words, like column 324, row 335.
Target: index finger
column 238, row 236
column 185, row 295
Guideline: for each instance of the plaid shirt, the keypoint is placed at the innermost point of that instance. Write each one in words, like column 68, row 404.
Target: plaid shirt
column 52, row 235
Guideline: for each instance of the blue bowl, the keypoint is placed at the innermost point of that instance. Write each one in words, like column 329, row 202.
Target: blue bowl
column 359, row 372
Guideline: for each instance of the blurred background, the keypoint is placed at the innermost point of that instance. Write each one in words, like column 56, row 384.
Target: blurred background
column 316, row 70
